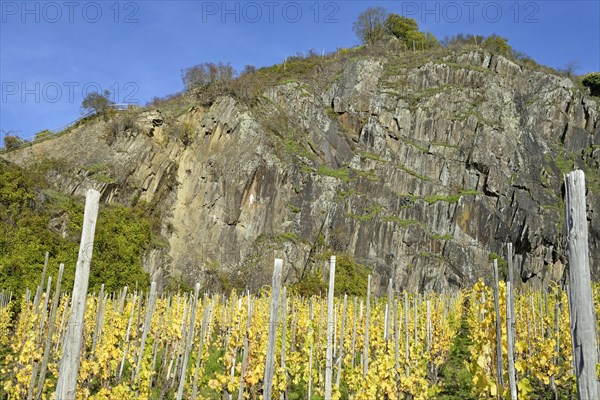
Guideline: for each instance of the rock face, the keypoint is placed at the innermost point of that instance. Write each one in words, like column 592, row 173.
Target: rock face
column 420, row 171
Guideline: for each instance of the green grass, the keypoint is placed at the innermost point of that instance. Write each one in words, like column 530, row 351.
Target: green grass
column 564, row 163
column 372, row 212
column 342, row 194
column 401, row 222
column 447, row 236
column 103, row 178
column 502, row 265
column 369, row 174
column 413, row 173
column 292, row 146
column 95, row 168
column 342, row 174
column 415, row 144
column 286, row 237
column 457, row 381
column 365, row 155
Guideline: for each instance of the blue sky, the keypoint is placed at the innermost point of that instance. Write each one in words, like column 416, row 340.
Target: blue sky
column 53, row 52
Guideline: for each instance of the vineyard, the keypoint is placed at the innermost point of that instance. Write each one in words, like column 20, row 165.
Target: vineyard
column 140, row 345
column 483, row 342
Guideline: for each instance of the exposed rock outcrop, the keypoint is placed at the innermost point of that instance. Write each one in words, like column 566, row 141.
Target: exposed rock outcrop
column 420, row 171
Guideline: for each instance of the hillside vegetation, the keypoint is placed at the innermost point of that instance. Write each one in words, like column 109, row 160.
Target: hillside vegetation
column 35, row 219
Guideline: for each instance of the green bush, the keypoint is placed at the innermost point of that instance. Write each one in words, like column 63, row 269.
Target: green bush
column 41, row 135
column 498, row 44
column 592, row 81
column 12, row 142
column 98, row 103
column 407, row 30
column 351, row 277
column 122, row 235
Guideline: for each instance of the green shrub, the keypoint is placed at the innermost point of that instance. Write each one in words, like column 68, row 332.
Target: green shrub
column 98, row 103
column 122, row 235
column 41, row 135
column 12, row 142
column 498, row 44
column 351, row 277
column 592, row 81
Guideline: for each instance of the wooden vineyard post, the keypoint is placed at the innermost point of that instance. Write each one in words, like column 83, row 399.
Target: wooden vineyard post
column 428, row 326
column 555, row 360
column 388, row 314
column 499, row 368
column 188, row 344
column 204, row 330
column 367, row 319
column 122, row 302
column 406, row 346
column 69, row 364
column 396, row 343
column 283, row 394
column 311, row 335
column 149, row 310
column 98, row 325
column 329, row 353
column 38, row 293
column 510, row 343
column 416, row 324
column 340, row 354
column 353, row 341
column 245, row 353
column 51, row 321
column 583, row 324
column 510, row 326
column 270, row 359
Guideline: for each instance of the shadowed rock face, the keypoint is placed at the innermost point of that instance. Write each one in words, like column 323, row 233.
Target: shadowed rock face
column 419, row 171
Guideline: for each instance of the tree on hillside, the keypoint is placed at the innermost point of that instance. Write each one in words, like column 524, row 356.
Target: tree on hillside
column 407, row 30
column 401, row 27
column 207, row 74
column 592, row 81
column 12, row 142
column 97, row 102
column 498, row 44
column 369, row 26
column 461, row 39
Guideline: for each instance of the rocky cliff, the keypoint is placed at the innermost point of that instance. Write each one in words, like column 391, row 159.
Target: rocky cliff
column 419, row 167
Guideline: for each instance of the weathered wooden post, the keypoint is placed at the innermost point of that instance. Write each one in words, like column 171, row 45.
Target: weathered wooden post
column 406, row 346
column 270, row 359
column 51, row 322
column 66, row 385
column 583, row 324
column 245, row 353
column 499, row 368
column 149, row 310
column 341, row 347
column 510, row 326
column 512, row 382
column 329, row 354
column 367, row 320
column 188, row 344
column 38, row 293
column 283, row 394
